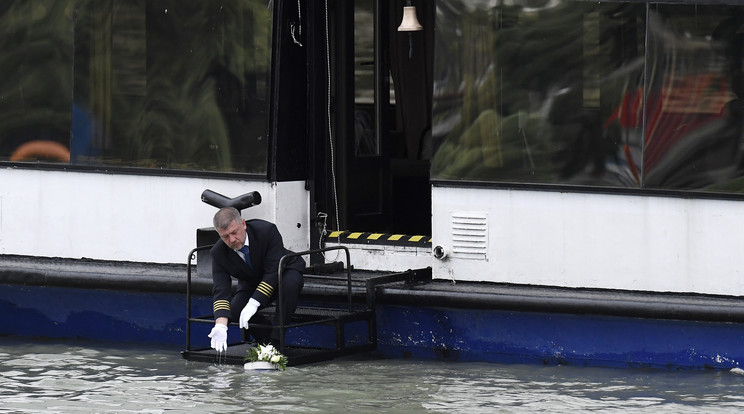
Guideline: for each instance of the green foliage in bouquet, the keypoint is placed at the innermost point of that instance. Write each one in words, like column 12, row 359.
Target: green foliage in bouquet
column 267, row 353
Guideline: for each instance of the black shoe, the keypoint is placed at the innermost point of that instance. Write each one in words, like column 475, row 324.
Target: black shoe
column 245, row 335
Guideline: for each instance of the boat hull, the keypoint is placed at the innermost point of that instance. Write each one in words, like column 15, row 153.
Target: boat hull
column 404, row 331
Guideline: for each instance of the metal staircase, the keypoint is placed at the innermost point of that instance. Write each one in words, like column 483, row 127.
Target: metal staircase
column 313, row 320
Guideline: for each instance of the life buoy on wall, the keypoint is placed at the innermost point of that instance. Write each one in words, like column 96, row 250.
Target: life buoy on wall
column 41, row 149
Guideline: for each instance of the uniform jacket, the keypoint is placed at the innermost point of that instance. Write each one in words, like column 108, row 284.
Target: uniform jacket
column 266, row 249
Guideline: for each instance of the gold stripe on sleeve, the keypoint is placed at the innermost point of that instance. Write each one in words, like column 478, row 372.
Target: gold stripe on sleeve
column 221, row 305
column 265, row 288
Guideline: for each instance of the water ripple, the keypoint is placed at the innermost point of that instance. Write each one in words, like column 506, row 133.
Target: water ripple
column 83, row 378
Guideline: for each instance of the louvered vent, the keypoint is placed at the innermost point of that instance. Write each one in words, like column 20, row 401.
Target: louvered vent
column 469, row 235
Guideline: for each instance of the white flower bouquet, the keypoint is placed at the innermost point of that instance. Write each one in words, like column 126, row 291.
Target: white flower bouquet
column 267, row 354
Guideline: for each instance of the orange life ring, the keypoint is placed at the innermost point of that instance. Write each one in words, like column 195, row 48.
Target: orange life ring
column 41, row 149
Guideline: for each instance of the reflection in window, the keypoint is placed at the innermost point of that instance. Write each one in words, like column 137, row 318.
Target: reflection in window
column 693, row 112
column 36, row 83
column 364, row 79
column 174, row 84
column 569, row 93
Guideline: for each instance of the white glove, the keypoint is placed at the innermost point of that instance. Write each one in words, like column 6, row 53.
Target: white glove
column 247, row 313
column 219, row 337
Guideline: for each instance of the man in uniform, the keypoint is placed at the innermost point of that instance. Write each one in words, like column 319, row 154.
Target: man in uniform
column 249, row 251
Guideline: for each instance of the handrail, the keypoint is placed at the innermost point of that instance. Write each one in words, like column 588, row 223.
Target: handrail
column 191, row 257
column 282, row 265
column 282, row 262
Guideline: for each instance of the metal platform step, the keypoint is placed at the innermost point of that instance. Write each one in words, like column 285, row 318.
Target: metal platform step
column 300, row 355
column 235, row 354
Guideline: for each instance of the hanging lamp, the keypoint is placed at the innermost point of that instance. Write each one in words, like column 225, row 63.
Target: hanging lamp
column 410, row 22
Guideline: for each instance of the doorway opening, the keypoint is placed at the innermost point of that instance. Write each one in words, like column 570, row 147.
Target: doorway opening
column 382, row 94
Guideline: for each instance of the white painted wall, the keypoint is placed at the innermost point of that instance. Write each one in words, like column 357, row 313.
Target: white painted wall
column 596, row 240
column 129, row 217
column 381, row 258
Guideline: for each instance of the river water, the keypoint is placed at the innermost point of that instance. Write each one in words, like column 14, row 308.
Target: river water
column 82, row 377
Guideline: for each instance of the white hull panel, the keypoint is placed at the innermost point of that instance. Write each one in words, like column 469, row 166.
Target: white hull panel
column 129, row 217
column 591, row 240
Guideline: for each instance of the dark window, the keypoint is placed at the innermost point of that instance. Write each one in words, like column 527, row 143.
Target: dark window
column 36, row 83
column 604, row 94
column 168, row 84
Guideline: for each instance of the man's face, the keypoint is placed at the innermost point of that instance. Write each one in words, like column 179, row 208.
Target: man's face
column 234, row 234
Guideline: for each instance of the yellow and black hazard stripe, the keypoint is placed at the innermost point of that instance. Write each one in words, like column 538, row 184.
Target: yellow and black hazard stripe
column 349, row 237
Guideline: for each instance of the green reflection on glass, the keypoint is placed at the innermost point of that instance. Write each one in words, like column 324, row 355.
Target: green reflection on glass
column 522, row 92
column 36, row 82
column 136, row 83
column 172, row 84
column 569, row 93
